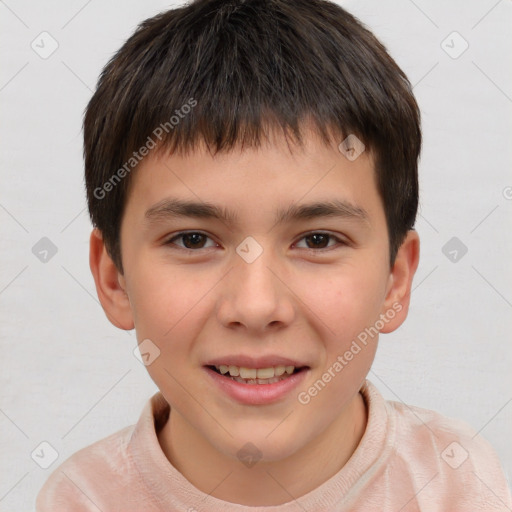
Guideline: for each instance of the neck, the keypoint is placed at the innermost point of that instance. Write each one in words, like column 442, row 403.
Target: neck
column 267, row 483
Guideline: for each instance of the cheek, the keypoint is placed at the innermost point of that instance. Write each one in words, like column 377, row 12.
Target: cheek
column 162, row 299
column 345, row 306
column 345, row 302
column 166, row 303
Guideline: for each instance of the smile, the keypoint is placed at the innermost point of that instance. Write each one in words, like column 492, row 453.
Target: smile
column 257, row 386
column 255, row 375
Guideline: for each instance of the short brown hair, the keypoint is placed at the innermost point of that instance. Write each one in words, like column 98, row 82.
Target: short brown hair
column 242, row 65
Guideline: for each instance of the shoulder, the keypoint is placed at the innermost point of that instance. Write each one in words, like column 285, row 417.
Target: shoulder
column 457, row 459
column 433, row 432
column 77, row 481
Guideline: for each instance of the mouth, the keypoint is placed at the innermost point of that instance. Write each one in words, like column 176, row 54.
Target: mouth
column 256, row 380
column 252, row 376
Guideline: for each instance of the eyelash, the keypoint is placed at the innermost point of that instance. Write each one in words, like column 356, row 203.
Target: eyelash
column 331, row 236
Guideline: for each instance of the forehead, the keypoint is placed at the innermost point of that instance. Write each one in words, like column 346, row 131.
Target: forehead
column 300, row 182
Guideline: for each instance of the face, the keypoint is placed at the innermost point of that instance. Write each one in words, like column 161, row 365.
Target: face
column 264, row 287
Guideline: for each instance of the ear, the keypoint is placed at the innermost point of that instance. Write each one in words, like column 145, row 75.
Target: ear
column 109, row 284
column 398, row 295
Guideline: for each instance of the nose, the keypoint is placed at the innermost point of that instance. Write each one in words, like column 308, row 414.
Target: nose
column 255, row 296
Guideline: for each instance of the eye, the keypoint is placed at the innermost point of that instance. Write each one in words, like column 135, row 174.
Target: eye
column 191, row 240
column 195, row 240
column 319, row 240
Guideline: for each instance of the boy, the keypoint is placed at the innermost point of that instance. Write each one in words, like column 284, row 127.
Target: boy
column 251, row 171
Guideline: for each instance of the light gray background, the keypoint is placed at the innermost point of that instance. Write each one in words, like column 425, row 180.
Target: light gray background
column 70, row 378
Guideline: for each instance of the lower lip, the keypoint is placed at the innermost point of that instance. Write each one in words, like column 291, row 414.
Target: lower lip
column 257, row 394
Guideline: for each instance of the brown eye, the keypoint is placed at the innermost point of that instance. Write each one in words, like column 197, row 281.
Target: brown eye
column 318, row 241
column 191, row 241
column 321, row 241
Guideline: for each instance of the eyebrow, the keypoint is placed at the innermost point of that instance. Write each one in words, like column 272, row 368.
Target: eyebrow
column 174, row 208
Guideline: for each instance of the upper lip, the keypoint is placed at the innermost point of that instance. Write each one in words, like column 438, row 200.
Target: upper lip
column 245, row 361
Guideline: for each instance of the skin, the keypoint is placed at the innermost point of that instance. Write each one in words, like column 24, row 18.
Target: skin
column 295, row 299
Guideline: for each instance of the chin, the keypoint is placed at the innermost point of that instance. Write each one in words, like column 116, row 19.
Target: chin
column 252, row 448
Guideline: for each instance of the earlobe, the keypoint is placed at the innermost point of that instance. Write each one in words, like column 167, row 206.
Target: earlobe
column 110, row 284
column 396, row 304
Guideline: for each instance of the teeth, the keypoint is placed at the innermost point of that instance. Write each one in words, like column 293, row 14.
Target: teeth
column 265, row 373
column 255, row 374
column 279, row 370
column 248, row 373
column 257, row 381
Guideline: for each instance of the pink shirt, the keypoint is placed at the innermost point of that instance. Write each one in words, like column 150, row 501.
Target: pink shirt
column 409, row 459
